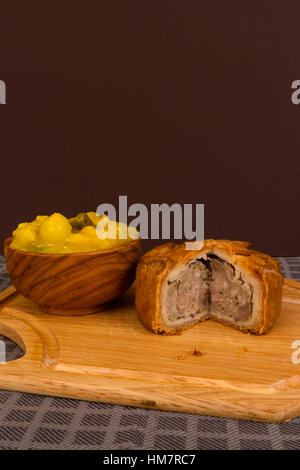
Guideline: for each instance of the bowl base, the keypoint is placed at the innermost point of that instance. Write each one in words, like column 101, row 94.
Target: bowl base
column 74, row 311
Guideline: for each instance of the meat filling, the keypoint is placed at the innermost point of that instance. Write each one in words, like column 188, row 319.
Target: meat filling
column 188, row 296
column 231, row 296
column 209, row 288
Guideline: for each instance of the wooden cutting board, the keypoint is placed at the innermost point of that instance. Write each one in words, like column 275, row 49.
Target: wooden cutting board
column 110, row 357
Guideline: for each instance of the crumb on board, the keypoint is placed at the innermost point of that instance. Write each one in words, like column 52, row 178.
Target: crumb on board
column 244, row 349
column 196, row 352
column 180, row 358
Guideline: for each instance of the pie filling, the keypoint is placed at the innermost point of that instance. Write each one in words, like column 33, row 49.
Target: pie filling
column 209, row 288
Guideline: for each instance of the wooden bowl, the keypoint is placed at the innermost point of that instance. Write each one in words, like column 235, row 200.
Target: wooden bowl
column 73, row 283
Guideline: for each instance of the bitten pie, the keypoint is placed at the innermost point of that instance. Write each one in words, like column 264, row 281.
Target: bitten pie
column 224, row 280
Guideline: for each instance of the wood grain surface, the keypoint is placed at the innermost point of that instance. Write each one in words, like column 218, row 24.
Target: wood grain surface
column 109, row 357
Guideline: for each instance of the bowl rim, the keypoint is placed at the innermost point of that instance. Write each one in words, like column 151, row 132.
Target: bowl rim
column 118, row 248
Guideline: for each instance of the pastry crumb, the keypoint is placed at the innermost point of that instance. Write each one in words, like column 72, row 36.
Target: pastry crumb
column 180, row 358
column 244, row 349
column 196, row 352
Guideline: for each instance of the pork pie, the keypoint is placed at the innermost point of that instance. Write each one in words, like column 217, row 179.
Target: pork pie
column 224, row 281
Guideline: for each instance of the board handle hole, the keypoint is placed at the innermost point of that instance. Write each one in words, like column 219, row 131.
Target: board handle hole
column 9, row 350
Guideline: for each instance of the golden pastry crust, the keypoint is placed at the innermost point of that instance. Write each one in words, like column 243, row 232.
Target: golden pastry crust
column 155, row 266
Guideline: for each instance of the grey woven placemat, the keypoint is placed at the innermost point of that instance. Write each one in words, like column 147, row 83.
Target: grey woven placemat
column 40, row 422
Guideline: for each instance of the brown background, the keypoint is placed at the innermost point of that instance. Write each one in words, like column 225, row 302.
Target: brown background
column 165, row 101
